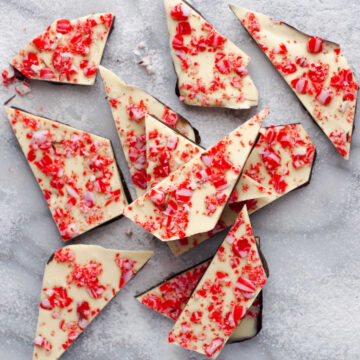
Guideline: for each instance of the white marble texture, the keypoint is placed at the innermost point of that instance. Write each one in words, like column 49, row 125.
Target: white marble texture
column 310, row 237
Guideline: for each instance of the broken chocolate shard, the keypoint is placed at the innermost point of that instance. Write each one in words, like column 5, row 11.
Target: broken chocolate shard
column 210, row 69
column 79, row 281
column 76, row 171
column 67, row 52
column 176, row 290
column 315, row 69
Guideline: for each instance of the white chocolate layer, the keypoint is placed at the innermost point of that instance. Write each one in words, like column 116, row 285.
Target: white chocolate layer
column 211, row 70
column 129, row 105
column 76, row 171
column 68, row 51
column 79, row 281
column 321, row 78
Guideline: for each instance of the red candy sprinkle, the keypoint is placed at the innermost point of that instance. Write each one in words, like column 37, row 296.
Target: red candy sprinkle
column 87, row 275
column 300, row 85
column 325, row 96
column 55, row 297
column 180, row 12
column 137, row 111
column 47, row 74
column 288, row 68
column 157, row 197
column 83, row 310
column 64, row 255
column 246, row 287
column 270, row 158
column 30, row 59
column 139, row 178
column 90, row 71
column 315, row 45
column 213, row 347
column 241, row 247
column 63, row 26
column 196, row 317
column 127, row 270
column 183, row 28
column 41, row 342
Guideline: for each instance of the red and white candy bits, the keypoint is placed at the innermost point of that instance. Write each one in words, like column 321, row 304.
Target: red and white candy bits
column 67, row 52
column 75, row 170
column 315, row 45
column 315, row 69
column 223, row 295
column 211, row 70
column 79, row 281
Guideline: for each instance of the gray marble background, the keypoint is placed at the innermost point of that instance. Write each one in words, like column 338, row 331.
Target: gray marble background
column 310, row 237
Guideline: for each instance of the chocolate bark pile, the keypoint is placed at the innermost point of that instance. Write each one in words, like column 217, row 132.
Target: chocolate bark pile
column 185, row 193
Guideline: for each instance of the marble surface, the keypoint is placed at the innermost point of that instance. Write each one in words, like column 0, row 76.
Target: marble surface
column 310, row 237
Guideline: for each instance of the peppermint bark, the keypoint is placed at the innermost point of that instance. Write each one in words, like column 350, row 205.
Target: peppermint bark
column 191, row 199
column 282, row 161
column 211, row 70
column 76, row 171
column 68, row 51
column 315, row 69
column 228, row 288
column 129, row 105
column 79, row 281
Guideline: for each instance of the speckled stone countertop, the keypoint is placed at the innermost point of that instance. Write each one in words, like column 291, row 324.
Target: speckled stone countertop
column 309, row 237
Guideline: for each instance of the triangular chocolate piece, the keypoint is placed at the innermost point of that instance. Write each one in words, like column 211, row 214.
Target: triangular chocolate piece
column 282, row 161
column 315, row 69
column 79, row 281
column 191, row 199
column 211, row 70
column 129, row 105
column 230, row 285
column 67, row 51
column 76, row 171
